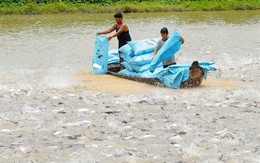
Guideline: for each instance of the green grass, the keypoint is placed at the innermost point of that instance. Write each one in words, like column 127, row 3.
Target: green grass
column 60, row 7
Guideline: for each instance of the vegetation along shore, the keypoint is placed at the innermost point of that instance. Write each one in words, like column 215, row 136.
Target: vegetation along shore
column 126, row 6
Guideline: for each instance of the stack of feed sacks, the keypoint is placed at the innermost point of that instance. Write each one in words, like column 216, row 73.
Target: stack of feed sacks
column 139, row 61
column 137, row 58
column 113, row 56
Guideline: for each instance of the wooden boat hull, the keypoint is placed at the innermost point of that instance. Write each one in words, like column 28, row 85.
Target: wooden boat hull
column 195, row 79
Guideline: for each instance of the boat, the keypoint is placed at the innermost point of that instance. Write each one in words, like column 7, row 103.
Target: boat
column 195, row 79
column 142, row 66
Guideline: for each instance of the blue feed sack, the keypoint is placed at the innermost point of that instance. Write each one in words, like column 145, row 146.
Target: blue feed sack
column 100, row 55
column 127, row 66
column 113, row 56
column 126, row 50
column 172, row 77
column 142, row 59
column 143, row 68
column 126, row 57
column 145, row 74
column 171, row 46
column 140, row 68
column 148, row 74
column 143, row 46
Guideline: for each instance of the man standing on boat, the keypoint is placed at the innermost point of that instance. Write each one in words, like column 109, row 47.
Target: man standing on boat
column 122, row 31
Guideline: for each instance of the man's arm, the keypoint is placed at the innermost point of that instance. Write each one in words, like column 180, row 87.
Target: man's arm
column 121, row 29
column 109, row 30
column 155, row 52
column 156, row 48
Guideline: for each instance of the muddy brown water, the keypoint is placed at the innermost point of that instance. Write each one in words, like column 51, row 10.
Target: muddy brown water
column 50, row 48
column 52, row 109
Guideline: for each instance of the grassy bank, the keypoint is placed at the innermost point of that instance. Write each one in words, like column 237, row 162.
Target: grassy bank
column 126, row 7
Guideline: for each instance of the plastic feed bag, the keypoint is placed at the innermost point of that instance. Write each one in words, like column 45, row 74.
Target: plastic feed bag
column 143, row 46
column 100, row 55
column 171, row 46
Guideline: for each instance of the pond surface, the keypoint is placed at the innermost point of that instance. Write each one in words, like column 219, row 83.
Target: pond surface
column 52, row 109
column 59, row 45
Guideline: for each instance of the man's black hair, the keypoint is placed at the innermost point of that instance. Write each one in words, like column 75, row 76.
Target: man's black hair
column 164, row 30
column 118, row 15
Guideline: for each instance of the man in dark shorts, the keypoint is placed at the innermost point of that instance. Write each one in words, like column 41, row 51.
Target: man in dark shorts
column 122, row 32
